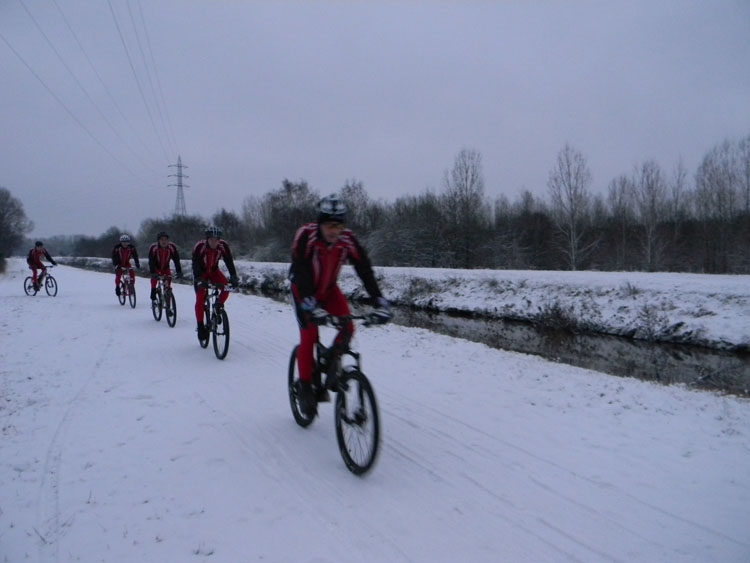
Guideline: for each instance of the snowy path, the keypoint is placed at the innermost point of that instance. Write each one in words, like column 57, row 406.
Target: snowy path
column 123, row 440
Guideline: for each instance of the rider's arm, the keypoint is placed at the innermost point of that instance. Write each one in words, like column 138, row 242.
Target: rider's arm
column 176, row 259
column 228, row 260
column 135, row 256
column 301, row 272
column 198, row 266
column 152, row 265
column 115, row 257
column 48, row 257
column 363, row 267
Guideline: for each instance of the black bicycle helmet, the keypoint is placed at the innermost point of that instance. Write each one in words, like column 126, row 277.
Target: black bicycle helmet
column 331, row 208
column 213, row 232
column 38, row 243
column 161, row 234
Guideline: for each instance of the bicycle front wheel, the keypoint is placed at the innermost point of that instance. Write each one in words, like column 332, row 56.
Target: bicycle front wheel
column 131, row 295
column 221, row 334
column 28, row 286
column 171, row 308
column 207, row 324
column 50, row 286
column 357, row 422
column 157, row 306
column 123, row 293
column 293, row 387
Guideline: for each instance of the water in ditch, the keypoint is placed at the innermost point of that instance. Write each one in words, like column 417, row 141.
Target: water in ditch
column 702, row 368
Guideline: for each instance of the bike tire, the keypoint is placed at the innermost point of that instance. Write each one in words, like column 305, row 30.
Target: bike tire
column 157, row 306
column 357, row 422
column 50, row 286
column 293, row 388
column 123, row 294
column 207, row 323
column 28, row 286
column 220, row 334
column 171, row 308
column 131, row 296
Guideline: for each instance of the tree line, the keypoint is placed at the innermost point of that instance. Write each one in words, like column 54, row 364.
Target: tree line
column 647, row 220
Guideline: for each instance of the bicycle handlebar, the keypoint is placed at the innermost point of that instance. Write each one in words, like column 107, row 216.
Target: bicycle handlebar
column 338, row 321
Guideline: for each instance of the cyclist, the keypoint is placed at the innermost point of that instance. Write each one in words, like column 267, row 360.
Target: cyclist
column 318, row 251
column 34, row 260
column 159, row 255
column 121, row 255
column 206, row 256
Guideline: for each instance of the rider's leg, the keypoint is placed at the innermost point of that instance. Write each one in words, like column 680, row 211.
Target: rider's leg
column 335, row 303
column 220, row 279
column 308, row 336
column 200, row 297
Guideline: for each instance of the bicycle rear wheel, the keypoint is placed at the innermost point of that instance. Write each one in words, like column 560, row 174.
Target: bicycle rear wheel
column 50, row 286
column 357, row 422
column 171, row 308
column 131, row 295
column 293, row 388
column 28, row 286
column 221, row 334
column 157, row 306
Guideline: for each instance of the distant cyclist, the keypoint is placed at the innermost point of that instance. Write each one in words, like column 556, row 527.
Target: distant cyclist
column 207, row 254
column 122, row 253
column 34, row 260
column 159, row 255
column 318, row 252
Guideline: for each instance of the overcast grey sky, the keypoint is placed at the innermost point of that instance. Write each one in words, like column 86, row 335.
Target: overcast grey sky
column 250, row 93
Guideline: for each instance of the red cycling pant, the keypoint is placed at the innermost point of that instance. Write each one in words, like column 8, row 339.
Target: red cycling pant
column 335, row 303
column 216, row 278
column 118, row 273
column 165, row 272
column 33, row 269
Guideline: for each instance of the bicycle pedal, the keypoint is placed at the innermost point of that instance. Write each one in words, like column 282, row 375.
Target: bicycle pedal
column 323, row 396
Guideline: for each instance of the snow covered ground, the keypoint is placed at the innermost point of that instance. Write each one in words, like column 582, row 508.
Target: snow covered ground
column 123, row 440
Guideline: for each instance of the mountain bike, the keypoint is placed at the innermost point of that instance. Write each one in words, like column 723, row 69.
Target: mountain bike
column 355, row 410
column 45, row 280
column 165, row 301
column 216, row 320
column 127, row 286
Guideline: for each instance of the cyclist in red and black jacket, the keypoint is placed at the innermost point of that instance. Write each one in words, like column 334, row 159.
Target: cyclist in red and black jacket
column 121, row 256
column 206, row 256
column 159, row 255
column 34, row 260
column 319, row 250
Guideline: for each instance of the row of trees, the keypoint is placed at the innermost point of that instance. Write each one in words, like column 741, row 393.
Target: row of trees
column 648, row 220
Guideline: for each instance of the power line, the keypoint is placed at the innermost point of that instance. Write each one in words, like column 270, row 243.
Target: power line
column 70, row 113
column 158, row 81
column 148, row 73
column 78, row 82
column 170, row 130
column 101, row 81
column 137, row 80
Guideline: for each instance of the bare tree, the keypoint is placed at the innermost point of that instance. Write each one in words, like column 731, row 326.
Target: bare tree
column 465, row 208
column 717, row 204
column 568, row 186
column 13, row 225
column 620, row 197
column 651, row 207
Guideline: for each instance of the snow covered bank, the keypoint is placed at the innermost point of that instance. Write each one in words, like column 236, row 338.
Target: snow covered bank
column 696, row 309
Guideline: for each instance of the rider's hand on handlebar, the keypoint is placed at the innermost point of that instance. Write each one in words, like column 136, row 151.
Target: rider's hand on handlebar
column 233, row 281
column 382, row 314
column 317, row 315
